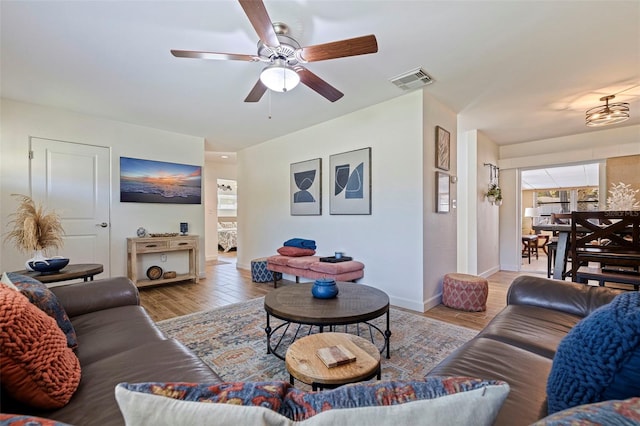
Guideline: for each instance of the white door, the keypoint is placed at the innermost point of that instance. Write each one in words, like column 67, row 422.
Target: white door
column 74, row 180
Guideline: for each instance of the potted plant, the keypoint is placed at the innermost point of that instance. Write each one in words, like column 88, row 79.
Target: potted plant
column 494, row 195
column 34, row 230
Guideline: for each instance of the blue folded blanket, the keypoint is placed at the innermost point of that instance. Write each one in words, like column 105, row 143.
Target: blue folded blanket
column 300, row 243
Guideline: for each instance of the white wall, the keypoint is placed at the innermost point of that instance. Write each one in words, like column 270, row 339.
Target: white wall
column 390, row 240
column 467, row 203
column 439, row 229
column 488, row 215
column 20, row 121
column 478, row 220
column 213, row 171
column 590, row 146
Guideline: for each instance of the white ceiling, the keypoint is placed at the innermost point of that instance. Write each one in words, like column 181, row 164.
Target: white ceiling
column 561, row 177
column 516, row 70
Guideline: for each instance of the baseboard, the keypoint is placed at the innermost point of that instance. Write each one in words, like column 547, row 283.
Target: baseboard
column 513, row 268
column 406, row 303
column 488, row 273
column 432, row 302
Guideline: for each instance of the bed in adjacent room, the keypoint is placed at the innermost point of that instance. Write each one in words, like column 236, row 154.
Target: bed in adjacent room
column 228, row 235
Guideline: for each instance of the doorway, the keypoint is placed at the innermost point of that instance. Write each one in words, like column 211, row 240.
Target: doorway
column 550, row 191
column 227, row 219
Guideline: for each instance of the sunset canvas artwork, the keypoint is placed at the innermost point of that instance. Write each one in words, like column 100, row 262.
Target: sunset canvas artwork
column 146, row 181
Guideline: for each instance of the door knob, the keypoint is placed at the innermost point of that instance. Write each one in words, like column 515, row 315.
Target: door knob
column 102, row 225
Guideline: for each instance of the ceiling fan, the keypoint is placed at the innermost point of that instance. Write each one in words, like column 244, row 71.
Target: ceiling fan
column 285, row 56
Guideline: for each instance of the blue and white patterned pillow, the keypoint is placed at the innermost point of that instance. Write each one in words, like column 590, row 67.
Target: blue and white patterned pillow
column 610, row 413
column 443, row 400
column 39, row 295
column 26, row 420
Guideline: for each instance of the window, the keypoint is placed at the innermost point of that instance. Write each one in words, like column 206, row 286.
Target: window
column 227, row 197
column 565, row 201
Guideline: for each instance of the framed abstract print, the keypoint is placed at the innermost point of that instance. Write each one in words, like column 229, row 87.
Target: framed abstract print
column 306, row 188
column 442, row 148
column 350, row 181
column 442, row 192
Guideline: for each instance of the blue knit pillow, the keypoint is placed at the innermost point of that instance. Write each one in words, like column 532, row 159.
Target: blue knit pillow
column 599, row 359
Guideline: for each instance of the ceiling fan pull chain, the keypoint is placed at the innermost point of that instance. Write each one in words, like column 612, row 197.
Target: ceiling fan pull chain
column 269, row 95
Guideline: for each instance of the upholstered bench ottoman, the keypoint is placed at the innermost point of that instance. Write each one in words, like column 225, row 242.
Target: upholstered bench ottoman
column 311, row 267
column 465, row 292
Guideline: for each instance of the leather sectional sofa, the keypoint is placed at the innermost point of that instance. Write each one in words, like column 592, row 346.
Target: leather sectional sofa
column 118, row 342
column 519, row 344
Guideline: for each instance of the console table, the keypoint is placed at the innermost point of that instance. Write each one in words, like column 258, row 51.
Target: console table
column 143, row 246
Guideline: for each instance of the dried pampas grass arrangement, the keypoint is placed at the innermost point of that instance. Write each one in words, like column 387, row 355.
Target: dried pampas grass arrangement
column 33, row 228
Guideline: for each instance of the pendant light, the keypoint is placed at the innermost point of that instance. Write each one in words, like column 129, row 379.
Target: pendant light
column 607, row 114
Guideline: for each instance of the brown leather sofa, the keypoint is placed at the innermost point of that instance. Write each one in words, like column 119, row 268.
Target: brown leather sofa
column 519, row 344
column 117, row 342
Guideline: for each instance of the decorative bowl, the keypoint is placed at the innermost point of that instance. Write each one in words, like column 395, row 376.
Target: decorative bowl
column 154, row 272
column 49, row 266
column 324, row 288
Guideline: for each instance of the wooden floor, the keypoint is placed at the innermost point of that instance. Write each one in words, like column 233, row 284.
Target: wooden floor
column 225, row 284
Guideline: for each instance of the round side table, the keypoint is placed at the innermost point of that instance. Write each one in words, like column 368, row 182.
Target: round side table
column 303, row 363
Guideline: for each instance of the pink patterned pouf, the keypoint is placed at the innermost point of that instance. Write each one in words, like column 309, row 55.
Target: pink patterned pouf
column 465, row 292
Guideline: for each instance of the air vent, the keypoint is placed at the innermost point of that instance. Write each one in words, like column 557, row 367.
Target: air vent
column 412, row 80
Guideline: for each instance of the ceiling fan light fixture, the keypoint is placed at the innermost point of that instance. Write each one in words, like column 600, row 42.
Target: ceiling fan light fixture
column 607, row 114
column 279, row 77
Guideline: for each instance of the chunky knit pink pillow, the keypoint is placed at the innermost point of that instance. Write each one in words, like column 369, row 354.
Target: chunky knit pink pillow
column 38, row 368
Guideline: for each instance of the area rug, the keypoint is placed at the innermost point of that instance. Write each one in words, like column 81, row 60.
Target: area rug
column 232, row 341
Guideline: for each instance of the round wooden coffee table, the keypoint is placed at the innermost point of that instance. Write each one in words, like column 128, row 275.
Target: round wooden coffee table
column 303, row 363
column 355, row 303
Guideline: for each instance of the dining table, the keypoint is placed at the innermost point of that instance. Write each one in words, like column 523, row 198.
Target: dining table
column 562, row 250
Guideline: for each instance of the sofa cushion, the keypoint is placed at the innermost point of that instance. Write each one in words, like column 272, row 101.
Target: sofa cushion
column 164, row 360
column 613, row 412
column 599, row 359
column 111, row 331
column 278, row 403
column 337, row 268
column 523, row 370
column 38, row 368
column 295, row 251
column 43, row 298
column 535, row 329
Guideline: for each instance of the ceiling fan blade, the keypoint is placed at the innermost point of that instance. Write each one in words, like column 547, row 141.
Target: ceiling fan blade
column 214, row 55
column 339, row 49
column 259, row 18
column 319, row 85
column 257, row 92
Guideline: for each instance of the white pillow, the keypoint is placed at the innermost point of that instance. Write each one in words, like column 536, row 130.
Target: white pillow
column 6, row 281
column 473, row 401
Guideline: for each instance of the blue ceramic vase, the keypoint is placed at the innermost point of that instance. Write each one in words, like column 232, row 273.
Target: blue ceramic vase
column 324, row 288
